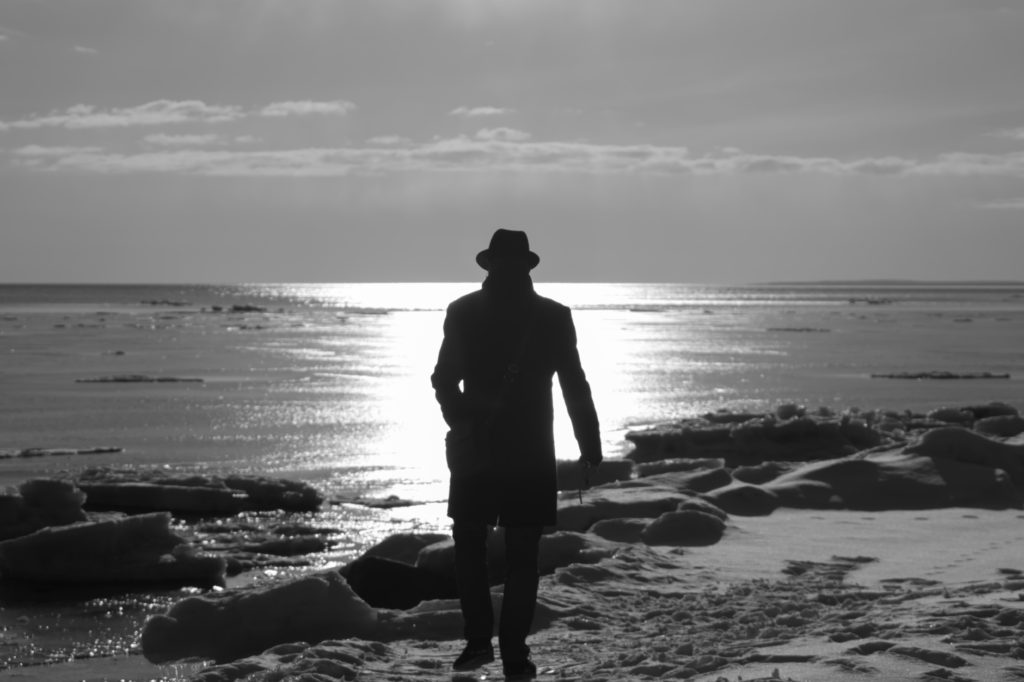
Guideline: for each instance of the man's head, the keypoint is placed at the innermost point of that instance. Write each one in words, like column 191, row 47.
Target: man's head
column 509, row 252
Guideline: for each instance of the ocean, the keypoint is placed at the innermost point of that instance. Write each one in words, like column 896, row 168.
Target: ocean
column 329, row 383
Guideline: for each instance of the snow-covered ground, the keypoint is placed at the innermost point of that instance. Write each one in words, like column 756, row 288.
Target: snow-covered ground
column 792, row 594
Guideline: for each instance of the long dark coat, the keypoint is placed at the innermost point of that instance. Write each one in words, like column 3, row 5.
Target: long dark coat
column 483, row 334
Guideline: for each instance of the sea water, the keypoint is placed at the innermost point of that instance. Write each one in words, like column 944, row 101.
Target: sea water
column 329, row 383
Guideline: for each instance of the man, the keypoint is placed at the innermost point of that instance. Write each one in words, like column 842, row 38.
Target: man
column 504, row 343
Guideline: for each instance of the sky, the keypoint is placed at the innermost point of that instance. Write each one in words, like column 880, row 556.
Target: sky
column 718, row 141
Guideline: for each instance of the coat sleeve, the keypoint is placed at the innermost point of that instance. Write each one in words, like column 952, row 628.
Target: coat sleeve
column 449, row 371
column 576, row 390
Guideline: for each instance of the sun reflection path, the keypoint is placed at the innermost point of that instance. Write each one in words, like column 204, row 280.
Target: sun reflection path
column 644, row 363
column 417, row 434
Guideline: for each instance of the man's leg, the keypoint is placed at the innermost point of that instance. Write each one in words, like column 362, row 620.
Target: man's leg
column 521, row 550
column 474, row 593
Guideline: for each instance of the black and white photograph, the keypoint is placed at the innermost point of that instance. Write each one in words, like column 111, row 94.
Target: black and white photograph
column 480, row 340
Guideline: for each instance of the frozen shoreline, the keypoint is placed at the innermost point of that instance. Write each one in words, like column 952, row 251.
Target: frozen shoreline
column 819, row 593
column 640, row 630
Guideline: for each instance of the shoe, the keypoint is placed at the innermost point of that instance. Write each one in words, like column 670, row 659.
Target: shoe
column 474, row 655
column 523, row 669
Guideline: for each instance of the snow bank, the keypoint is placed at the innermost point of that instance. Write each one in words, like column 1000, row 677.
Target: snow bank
column 942, row 465
column 758, row 439
column 895, row 480
column 792, row 433
column 969, row 447
column 328, row 660
column 634, row 499
column 229, row 625
column 556, row 550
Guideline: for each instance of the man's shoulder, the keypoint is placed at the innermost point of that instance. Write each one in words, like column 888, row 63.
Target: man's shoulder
column 476, row 300
column 551, row 306
column 469, row 301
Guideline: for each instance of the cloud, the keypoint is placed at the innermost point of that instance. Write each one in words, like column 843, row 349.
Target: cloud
column 307, row 107
column 389, row 140
column 165, row 140
column 37, row 157
column 502, row 134
column 496, row 152
column 159, row 112
column 1016, row 134
column 474, row 112
column 3, row 37
column 85, row 50
column 1008, row 205
column 167, row 112
column 973, row 165
column 34, row 150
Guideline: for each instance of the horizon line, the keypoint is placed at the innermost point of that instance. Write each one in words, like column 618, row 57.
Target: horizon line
column 873, row 281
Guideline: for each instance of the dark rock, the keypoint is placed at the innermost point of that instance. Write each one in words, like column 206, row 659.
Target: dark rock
column 744, row 500
column 688, row 528
column 404, row 547
column 1004, row 426
column 384, row 583
column 992, row 410
column 620, row 530
column 951, row 415
column 758, row 473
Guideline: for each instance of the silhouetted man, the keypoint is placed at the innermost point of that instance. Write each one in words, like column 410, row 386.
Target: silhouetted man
column 504, row 343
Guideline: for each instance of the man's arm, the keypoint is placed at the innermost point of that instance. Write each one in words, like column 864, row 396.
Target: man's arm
column 576, row 390
column 448, row 373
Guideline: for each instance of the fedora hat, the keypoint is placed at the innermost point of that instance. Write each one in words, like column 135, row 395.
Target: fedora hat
column 507, row 244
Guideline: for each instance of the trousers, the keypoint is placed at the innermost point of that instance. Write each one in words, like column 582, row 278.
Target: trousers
column 522, row 545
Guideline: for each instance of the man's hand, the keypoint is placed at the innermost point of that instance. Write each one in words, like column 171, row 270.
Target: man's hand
column 591, row 458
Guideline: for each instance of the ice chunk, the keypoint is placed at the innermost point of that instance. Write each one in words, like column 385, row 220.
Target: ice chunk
column 234, row 624
column 130, row 550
